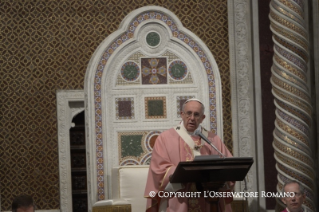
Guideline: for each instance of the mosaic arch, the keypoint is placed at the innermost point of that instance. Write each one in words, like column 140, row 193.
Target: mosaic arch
column 142, row 63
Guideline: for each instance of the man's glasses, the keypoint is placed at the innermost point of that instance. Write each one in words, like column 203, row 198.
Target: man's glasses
column 189, row 114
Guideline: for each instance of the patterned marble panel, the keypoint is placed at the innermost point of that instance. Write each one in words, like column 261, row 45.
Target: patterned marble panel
column 153, row 39
column 155, row 107
column 177, row 70
column 131, row 145
column 124, row 108
column 154, row 70
column 135, row 148
column 130, row 71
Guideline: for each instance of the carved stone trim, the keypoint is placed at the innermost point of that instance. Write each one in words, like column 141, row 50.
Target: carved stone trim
column 240, row 16
column 65, row 113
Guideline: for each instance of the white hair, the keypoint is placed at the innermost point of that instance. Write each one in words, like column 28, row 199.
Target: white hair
column 196, row 100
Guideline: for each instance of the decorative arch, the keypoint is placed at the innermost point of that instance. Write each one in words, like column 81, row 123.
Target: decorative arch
column 129, row 67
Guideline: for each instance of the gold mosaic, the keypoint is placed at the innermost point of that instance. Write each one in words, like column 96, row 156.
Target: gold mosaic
column 46, row 46
column 289, row 77
column 288, row 24
column 292, row 132
column 299, row 73
column 300, row 52
column 285, row 33
column 292, row 7
column 305, row 107
column 295, row 112
column 290, row 88
column 295, row 164
column 293, row 153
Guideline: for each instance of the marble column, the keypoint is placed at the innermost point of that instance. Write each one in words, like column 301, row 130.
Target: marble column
column 292, row 97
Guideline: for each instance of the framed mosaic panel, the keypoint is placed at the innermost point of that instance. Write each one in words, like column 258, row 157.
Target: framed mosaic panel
column 135, row 148
column 153, row 39
column 124, row 107
column 131, row 146
column 155, row 107
column 154, row 70
column 130, row 71
column 177, row 70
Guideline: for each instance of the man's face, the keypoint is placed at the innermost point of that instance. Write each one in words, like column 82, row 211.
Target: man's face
column 26, row 209
column 192, row 115
column 293, row 203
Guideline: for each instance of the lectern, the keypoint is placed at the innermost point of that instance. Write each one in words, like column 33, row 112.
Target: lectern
column 212, row 171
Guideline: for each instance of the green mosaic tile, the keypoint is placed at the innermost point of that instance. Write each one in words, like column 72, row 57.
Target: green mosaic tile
column 155, row 107
column 131, row 145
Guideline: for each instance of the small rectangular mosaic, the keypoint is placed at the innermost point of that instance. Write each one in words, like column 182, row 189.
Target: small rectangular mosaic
column 124, row 108
column 155, row 107
column 180, row 100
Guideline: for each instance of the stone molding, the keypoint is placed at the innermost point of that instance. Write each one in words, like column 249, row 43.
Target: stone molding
column 241, row 41
column 65, row 113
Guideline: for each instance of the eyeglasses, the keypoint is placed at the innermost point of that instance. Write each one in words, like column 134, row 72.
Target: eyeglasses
column 190, row 114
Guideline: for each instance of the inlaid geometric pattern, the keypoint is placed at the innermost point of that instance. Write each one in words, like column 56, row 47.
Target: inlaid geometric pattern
column 187, row 80
column 180, row 100
column 124, row 108
column 171, row 56
column 136, row 57
column 130, row 71
column 135, row 148
column 177, row 70
column 125, row 78
column 155, row 107
column 45, row 46
column 154, row 70
column 131, row 147
column 120, row 81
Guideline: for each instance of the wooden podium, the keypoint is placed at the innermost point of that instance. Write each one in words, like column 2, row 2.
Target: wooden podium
column 212, row 172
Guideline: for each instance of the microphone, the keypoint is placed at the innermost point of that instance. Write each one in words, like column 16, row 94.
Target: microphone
column 200, row 134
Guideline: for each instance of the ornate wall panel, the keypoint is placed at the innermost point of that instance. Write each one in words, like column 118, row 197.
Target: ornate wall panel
column 45, row 46
column 163, row 52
